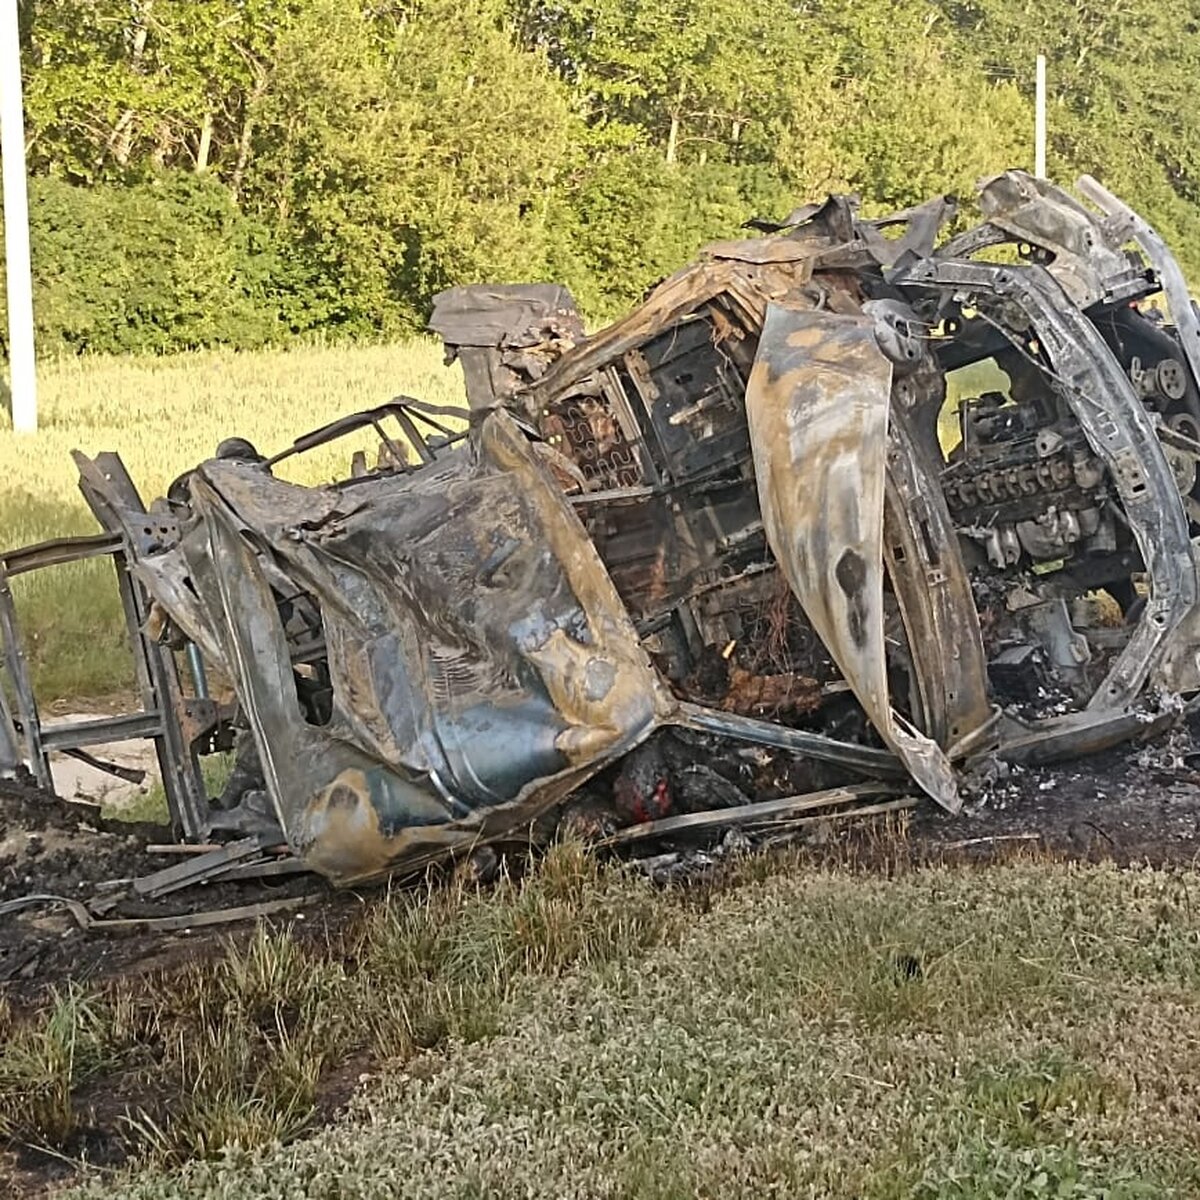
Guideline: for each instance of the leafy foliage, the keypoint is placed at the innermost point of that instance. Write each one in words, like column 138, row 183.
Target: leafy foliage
column 238, row 171
column 169, row 264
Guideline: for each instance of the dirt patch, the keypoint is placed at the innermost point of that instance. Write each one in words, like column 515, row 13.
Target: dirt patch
column 54, row 848
column 78, row 780
column 64, row 847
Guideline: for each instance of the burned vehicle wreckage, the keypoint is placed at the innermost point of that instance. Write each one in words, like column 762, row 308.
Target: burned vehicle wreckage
column 874, row 503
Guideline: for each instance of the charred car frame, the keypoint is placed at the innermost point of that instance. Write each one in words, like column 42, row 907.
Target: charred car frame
column 880, row 506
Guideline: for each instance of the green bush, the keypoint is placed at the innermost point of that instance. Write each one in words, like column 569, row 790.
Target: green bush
column 634, row 219
column 171, row 264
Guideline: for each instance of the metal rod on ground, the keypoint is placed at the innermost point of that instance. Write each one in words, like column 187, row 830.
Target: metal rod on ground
column 199, row 869
column 185, row 849
column 745, row 814
column 840, row 814
column 218, row 916
column 22, row 368
column 1039, row 120
column 128, row 774
column 991, row 840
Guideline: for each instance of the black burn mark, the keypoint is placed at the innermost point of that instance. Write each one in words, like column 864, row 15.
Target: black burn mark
column 342, row 796
column 851, row 574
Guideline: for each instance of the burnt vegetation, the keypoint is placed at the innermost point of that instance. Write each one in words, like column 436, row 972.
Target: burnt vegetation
column 252, row 1044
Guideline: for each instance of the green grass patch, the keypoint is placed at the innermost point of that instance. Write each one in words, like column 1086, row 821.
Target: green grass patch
column 164, row 415
column 230, row 1054
column 150, row 806
column 1031, row 1030
column 44, row 1062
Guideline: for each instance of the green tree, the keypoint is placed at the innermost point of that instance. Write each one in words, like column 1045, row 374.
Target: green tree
column 164, row 265
column 117, row 88
column 406, row 151
column 1122, row 84
column 364, row 156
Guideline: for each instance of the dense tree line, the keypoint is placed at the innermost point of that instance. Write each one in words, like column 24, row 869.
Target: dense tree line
column 241, row 171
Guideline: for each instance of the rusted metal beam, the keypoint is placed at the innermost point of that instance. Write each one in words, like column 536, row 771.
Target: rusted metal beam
column 56, row 551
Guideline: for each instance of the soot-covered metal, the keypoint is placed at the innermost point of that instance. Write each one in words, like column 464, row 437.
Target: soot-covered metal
column 845, row 509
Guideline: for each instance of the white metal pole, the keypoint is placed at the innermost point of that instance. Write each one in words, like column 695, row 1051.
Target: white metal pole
column 1039, row 121
column 22, row 370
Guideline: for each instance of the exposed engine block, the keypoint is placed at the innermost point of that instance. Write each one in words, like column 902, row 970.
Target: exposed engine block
column 1020, row 485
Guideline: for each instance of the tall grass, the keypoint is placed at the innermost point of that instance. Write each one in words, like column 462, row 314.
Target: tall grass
column 230, row 1052
column 44, row 1063
column 164, row 415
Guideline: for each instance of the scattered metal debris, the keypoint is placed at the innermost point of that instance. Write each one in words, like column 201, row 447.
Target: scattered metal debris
column 838, row 510
column 213, row 865
column 171, row 924
column 766, row 813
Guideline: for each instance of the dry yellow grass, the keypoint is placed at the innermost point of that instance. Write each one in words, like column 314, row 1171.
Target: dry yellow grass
column 163, row 415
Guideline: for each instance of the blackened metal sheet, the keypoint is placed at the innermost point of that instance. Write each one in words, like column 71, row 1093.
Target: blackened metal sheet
column 933, row 591
column 1029, row 209
column 514, row 314
column 482, row 663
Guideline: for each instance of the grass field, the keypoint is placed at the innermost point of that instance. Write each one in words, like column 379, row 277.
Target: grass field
column 164, row 415
column 1029, row 1030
